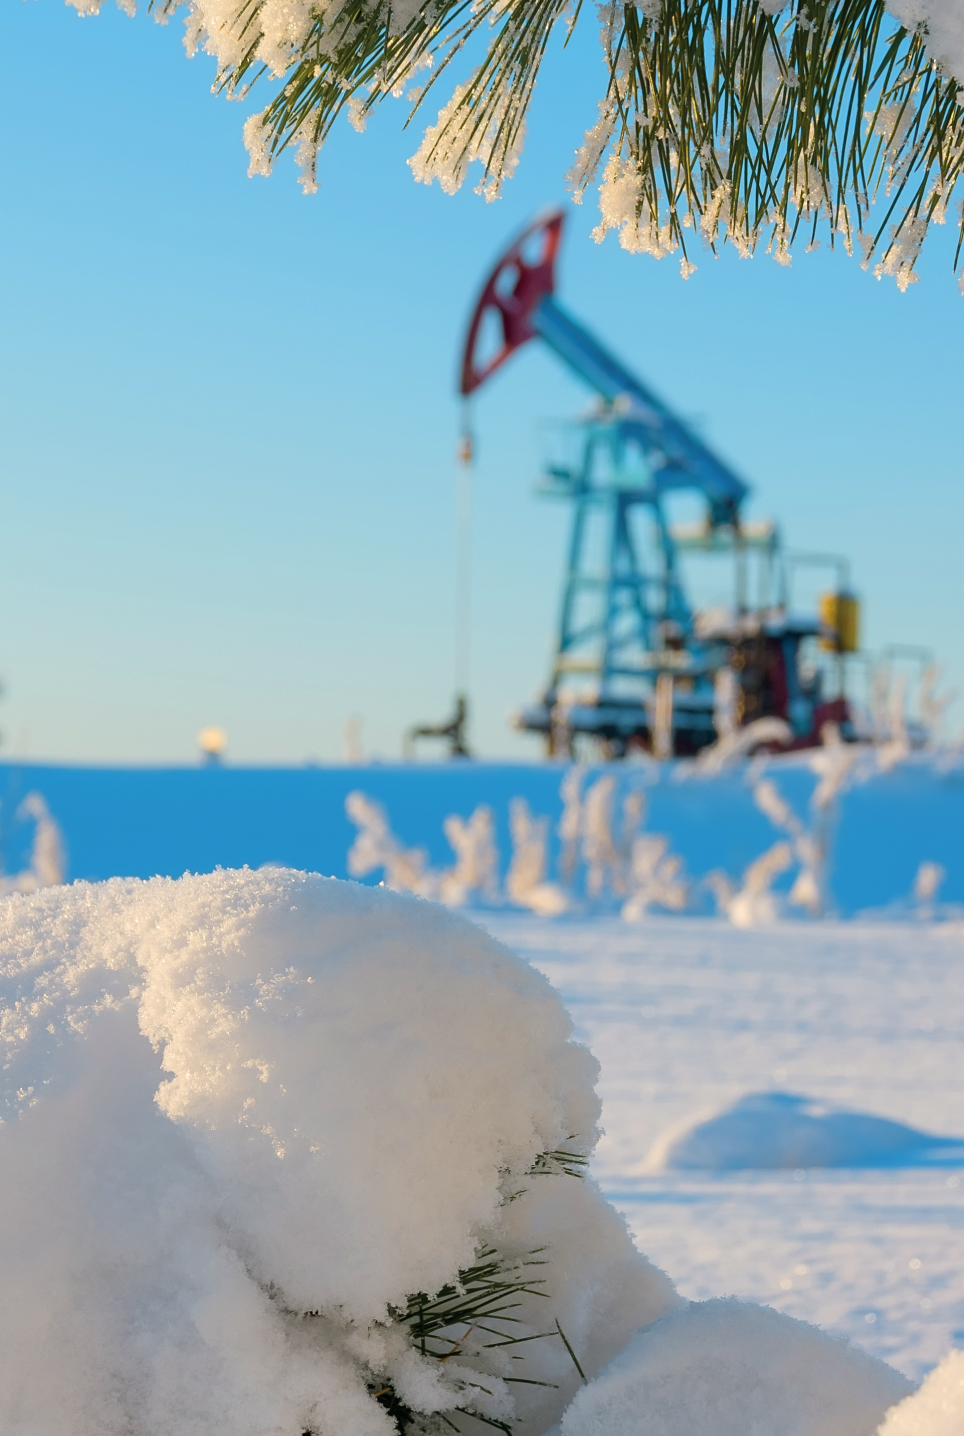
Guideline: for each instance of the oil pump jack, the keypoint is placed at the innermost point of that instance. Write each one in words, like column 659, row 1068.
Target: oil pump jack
column 634, row 665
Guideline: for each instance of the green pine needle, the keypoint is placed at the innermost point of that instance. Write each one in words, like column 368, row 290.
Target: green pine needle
column 719, row 120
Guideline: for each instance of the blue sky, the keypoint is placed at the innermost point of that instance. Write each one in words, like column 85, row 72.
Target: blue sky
column 228, row 420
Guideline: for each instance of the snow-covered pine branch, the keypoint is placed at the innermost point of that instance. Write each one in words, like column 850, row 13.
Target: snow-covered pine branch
column 750, row 121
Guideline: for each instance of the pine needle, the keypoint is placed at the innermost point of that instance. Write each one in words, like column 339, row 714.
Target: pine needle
column 718, row 119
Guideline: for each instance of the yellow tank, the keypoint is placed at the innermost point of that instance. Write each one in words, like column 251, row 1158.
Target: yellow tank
column 841, row 611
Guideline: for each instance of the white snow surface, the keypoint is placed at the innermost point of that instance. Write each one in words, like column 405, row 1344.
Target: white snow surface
column 246, row 1115
column 688, row 1016
column 234, row 1099
column 729, row 1368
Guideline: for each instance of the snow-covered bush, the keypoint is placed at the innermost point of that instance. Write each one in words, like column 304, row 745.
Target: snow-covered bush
column 525, row 882
column 602, row 861
column 475, row 872
column 47, row 861
column 253, row 1122
column 754, row 903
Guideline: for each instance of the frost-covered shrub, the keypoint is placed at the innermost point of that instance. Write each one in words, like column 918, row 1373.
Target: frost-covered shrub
column 728, row 1368
column 248, row 1120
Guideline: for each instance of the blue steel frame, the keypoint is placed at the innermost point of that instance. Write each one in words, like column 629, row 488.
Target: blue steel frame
column 636, row 605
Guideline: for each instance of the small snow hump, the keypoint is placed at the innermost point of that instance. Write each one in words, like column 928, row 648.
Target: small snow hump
column 729, row 1368
column 766, row 1130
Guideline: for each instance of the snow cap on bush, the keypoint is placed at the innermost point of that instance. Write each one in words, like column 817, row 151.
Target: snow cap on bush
column 357, row 1071
column 233, row 1100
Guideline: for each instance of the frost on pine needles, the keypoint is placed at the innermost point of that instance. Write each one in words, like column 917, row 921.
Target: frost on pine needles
column 756, row 122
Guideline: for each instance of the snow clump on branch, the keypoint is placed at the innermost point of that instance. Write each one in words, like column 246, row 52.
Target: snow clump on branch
column 247, row 1118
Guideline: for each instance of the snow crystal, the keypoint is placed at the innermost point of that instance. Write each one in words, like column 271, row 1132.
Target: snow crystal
column 937, row 1409
column 457, row 140
column 726, row 1368
column 590, row 154
column 623, row 206
column 245, row 1117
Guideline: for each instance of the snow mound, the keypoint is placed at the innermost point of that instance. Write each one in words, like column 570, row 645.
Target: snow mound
column 728, row 1368
column 247, row 1116
column 783, row 1129
column 937, row 1409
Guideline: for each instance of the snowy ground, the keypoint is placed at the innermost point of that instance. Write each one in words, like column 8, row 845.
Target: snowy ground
column 688, row 1014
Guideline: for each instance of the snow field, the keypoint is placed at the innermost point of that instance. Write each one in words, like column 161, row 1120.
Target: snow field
column 258, row 1124
column 688, row 1016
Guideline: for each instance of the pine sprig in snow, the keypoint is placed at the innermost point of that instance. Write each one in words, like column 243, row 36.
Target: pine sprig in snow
column 461, row 1317
column 485, row 1292
column 467, row 1318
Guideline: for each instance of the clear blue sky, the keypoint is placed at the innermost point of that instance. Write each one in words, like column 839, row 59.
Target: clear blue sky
column 228, row 421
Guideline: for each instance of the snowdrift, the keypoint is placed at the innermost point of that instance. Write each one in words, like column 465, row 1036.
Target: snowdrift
column 783, row 1129
column 728, row 1368
column 282, row 1155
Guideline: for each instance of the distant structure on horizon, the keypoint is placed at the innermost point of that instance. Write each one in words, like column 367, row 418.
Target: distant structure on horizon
column 213, row 744
column 635, row 666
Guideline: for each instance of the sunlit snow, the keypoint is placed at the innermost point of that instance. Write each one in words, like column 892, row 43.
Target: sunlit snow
column 689, row 1016
column 254, row 1121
